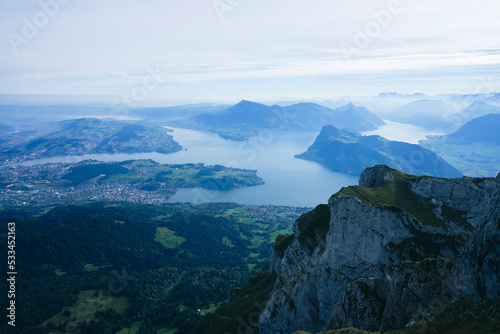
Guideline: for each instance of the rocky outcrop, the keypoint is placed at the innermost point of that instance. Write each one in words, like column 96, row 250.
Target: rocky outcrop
column 384, row 253
column 376, row 176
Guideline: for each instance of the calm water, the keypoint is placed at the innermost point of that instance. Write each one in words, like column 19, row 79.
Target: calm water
column 402, row 132
column 289, row 181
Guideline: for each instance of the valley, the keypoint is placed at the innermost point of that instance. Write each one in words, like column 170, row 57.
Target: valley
column 138, row 226
column 474, row 148
column 250, row 167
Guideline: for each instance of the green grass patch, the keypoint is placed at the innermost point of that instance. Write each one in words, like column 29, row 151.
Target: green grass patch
column 59, row 272
column 233, row 211
column 92, row 267
column 395, row 195
column 86, row 306
column 212, row 307
column 227, row 242
column 249, row 221
column 472, row 159
column 275, row 234
column 168, row 238
column 133, row 330
column 161, row 330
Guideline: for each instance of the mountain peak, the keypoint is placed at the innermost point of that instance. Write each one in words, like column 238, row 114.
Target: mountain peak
column 484, row 128
column 243, row 102
column 376, row 176
column 248, row 102
column 480, row 104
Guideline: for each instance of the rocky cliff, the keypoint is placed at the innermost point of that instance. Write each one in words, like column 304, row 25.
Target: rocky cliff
column 394, row 252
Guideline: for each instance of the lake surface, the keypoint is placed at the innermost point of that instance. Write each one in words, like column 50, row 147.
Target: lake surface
column 402, row 132
column 288, row 181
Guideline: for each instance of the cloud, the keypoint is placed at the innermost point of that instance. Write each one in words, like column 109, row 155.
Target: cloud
column 94, row 46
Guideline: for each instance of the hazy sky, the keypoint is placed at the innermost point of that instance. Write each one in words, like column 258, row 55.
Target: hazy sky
column 227, row 50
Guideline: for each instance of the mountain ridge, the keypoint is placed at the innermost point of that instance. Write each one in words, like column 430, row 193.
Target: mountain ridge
column 378, row 267
column 350, row 152
column 248, row 118
column 474, row 148
column 91, row 135
column 398, row 253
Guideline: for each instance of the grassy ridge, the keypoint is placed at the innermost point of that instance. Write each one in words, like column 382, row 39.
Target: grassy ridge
column 397, row 195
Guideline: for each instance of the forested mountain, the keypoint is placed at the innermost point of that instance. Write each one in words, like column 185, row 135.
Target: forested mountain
column 481, row 129
column 90, row 135
column 108, row 267
column 350, row 152
column 248, row 118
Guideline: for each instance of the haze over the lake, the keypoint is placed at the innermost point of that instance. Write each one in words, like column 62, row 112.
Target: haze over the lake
column 144, row 52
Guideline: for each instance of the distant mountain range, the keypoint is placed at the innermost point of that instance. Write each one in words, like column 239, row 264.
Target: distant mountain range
column 398, row 95
column 351, row 152
column 474, row 148
column 176, row 112
column 424, row 113
column 248, row 118
column 442, row 115
column 481, row 129
column 475, row 110
column 89, row 135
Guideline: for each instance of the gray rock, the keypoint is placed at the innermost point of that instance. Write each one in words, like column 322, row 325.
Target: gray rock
column 375, row 176
column 379, row 268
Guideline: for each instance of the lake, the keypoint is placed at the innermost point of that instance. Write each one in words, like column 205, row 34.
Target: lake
column 402, row 132
column 288, row 181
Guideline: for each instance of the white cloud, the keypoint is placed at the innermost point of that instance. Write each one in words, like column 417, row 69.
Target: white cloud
column 105, row 46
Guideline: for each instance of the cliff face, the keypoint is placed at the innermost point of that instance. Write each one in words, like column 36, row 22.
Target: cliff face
column 382, row 254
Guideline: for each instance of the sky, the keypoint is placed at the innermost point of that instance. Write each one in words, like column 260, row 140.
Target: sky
column 135, row 51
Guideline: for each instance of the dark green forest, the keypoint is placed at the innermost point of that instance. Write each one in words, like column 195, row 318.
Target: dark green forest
column 130, row 268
